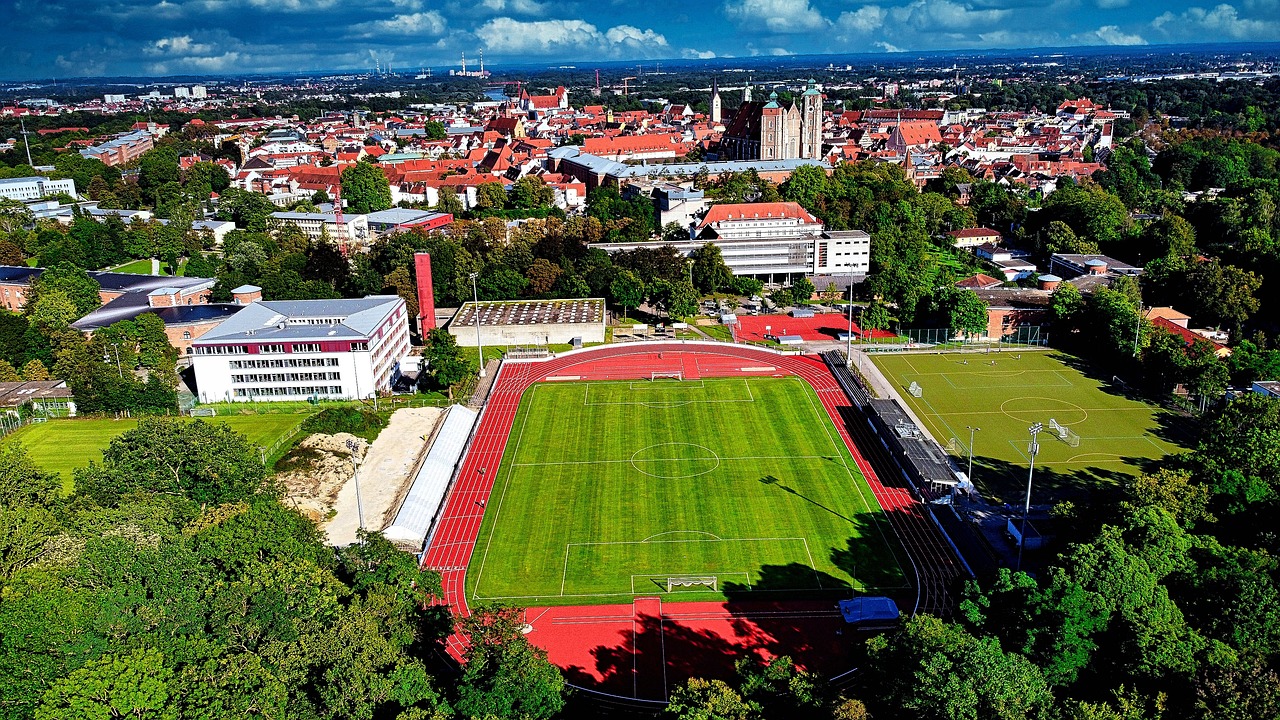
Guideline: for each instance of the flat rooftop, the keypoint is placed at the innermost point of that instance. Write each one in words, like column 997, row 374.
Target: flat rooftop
column 531, row 312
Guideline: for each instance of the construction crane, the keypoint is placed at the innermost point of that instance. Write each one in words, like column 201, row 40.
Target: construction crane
column 624, row 83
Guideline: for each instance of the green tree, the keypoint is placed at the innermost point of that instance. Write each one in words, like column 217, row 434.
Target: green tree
column 1221, row 295
column 133, row 685
column 52, row 310
column 81, row 289
column 434, row 130
column 961, row 309
column 710, row 274
column 805, row 185
column 932, row 669
column 627, row 290
column 491, row 196
column 505, row 676
column 802, row 289
column 700, row 699
column 448, row 202
column 530, row 192
column 365, row 188
column 248, row 210
column 445, row 365
column 677, row 299
column 203, row 461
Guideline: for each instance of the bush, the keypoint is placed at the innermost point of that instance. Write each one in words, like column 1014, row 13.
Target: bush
column 344, row 420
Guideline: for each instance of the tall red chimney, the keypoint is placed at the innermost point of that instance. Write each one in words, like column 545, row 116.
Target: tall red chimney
column 426, row 297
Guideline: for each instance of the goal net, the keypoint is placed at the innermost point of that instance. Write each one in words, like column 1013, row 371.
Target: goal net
column 203, row 412
column 915, row 389
column 1064, row 433
column 677, row 375
column 686, row 581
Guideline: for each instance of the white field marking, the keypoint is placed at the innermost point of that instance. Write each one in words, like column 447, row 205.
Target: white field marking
column 714, row 456
column 586, row 396
column 515, row 452
column 816, row 578
column 1062, row 382
column 682, row 532
column 647, row 541
column 827, row 421
column 533, row 599
column 718, row 576
column 1002, row 412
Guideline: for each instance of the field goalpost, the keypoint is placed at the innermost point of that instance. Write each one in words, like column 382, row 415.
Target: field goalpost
column 678, row 581
column 666, row 375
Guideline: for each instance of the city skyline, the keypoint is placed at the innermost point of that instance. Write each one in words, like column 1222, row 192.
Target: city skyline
column 208, row 37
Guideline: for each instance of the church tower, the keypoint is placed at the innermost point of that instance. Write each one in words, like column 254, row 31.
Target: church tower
column 811, row 123
column 716, row 110
column 746, row 91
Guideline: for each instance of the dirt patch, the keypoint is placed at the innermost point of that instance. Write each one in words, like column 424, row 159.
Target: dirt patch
column 386, row 473
column 706, row 321
column 314, row 471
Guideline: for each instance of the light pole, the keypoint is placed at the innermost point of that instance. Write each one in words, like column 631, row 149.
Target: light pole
column 972, row 430
column 107, row 357
column 355, row 478
column 476, row 296
column 1034, row 448
column 1137, row 331
column 848, row 340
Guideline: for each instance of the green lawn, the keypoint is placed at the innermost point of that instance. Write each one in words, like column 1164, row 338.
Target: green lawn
column 138, row 267
column 62, row 445
column 1117, row 435
column 607, row 489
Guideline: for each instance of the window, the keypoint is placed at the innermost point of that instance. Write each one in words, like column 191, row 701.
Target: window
column 186, row 334
column 306, row 347
column 268, row 348
column 359, row 346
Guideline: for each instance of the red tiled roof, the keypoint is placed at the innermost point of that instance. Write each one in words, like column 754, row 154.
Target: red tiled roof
column 751, row 211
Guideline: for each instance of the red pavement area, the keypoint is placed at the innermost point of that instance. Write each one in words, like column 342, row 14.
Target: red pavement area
column 622, row 649
column 816, row 328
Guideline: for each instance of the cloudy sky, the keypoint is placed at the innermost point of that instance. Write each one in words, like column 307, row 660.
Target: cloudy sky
column 65, row 38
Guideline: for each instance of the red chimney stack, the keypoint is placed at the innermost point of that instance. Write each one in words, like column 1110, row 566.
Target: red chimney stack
column 426, row 296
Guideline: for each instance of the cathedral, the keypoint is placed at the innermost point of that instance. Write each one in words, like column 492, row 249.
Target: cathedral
column 768, row 131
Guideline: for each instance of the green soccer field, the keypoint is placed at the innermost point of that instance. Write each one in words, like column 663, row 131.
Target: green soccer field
column 607, row 489
column 1003, row 394
column 61, row 446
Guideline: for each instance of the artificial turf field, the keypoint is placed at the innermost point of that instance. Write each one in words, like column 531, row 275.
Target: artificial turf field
column 61, row 446
column 606, row 489
column 1118, row 434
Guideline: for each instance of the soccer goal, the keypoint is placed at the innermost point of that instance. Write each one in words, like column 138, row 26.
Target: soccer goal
column 915, row 389
column 1064, row 433
column 684, row 581
column 673, row 375
column 203, row 412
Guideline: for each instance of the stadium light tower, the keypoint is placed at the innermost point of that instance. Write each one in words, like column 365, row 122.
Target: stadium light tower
column 848, row 338
column 355, row 478
column 1034, row 448
column 476, row 297
column 972, row 430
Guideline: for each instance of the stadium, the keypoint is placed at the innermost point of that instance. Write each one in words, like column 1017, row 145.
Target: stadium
column 663, row 508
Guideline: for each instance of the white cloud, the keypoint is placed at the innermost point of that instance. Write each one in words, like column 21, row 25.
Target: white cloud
column 1112, row 4
column 864, row 19
column 179, row 45
column 694, row 54
column 1108, row 35
column 505, row 35
column 775, row 16
column 945, row 16
column 1223, row 22
column 519, row 7
column 420, row 23
column 888, row 47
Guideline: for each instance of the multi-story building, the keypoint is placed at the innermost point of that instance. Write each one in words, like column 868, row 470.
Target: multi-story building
column 34, row 188
column 775, row 242
column 354, row 228
column 122, row 149
column 301, row 349
column 198, row 91
column 768, row 131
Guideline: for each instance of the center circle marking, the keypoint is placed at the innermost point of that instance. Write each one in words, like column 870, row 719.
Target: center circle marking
column 700, row 463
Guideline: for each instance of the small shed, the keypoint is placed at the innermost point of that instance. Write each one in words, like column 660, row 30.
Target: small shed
column 802, row 312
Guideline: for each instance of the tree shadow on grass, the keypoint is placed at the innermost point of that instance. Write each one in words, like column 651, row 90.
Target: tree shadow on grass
column 1002, row 481
column 775, row 482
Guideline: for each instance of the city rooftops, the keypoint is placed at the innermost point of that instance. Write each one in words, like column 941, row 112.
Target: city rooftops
column 531, row 312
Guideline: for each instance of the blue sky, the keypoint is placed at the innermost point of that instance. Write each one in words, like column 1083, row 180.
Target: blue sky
column 64, row 38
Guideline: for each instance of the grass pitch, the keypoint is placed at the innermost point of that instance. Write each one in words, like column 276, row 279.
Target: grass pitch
column 1119, row 435
column 61, row 446
column 607, row 489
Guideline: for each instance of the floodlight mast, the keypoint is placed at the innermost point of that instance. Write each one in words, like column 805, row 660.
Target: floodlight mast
column 1034, row 448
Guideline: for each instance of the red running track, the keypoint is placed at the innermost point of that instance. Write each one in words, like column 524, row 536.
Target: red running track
column 826, row 326
column 572, row 635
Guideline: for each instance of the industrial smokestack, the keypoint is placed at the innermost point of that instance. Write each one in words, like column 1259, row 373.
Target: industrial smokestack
column 426, row 296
